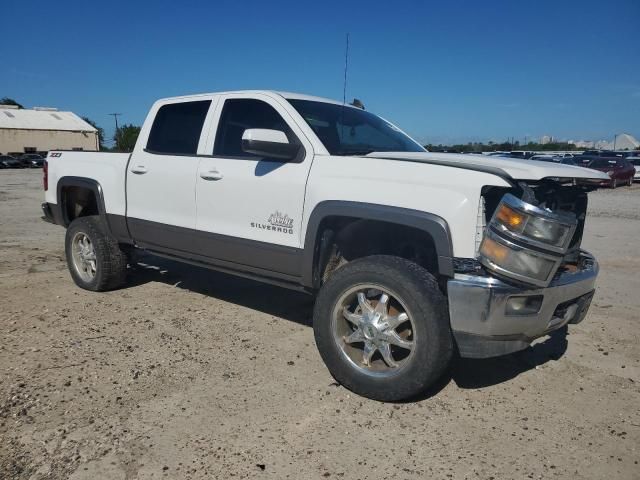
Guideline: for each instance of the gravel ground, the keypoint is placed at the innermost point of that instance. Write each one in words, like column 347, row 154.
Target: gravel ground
column 187, row 373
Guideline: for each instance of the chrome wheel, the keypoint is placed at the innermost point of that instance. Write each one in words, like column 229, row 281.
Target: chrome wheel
column 84, row 256
column 374, row 330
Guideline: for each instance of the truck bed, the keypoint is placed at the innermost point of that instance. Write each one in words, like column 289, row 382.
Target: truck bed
column 108, row 169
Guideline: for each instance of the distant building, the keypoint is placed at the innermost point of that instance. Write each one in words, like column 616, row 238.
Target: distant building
column 44, row 129
column 545, row 139
column 624, row 141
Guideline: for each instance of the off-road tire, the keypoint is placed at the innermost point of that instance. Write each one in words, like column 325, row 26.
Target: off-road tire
column 111, row 260
column 422, row 296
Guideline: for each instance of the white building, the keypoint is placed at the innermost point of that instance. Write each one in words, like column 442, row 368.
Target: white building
column 624, row 141
column 44, row 129
column 545, row 139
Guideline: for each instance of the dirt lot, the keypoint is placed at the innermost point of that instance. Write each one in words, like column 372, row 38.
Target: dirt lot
column 188, row 373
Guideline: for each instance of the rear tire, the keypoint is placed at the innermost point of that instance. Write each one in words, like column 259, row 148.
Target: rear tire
column 425, row 334
column 95, row 260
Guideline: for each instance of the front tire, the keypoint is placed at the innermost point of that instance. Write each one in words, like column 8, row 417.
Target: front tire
column 94, row 257
column 382, row 328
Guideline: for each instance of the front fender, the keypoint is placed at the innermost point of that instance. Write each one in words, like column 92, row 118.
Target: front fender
column 433, row 225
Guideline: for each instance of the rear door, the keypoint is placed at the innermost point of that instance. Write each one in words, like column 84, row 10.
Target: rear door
column 250, row 208
column 161, row 176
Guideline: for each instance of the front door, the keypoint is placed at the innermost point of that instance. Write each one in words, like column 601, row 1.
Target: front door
column 249, row 209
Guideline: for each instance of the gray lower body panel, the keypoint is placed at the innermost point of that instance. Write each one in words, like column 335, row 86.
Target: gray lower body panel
column 203, row 246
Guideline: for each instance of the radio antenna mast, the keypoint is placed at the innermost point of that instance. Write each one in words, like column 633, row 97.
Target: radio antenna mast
column 346, row 66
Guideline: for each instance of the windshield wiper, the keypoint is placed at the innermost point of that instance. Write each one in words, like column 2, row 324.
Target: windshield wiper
column 355, row 152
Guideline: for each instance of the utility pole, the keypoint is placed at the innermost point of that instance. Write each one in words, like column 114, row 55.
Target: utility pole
column 115, row 116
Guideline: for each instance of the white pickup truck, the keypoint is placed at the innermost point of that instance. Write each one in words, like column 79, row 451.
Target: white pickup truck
column 411, row 254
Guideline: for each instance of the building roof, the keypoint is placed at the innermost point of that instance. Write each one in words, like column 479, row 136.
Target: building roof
column 624, row 141
column 45, row 119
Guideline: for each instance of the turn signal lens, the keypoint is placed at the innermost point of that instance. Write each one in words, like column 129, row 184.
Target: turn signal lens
column 494, row 250
column 510, row 218
column 515, row 261
column 532, row 225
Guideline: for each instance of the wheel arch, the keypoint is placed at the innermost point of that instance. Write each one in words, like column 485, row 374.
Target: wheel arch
column 115, row 225
column 319, row 233
column 79, row 184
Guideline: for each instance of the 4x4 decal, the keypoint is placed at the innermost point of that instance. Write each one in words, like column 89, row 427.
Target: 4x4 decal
column 277, row 222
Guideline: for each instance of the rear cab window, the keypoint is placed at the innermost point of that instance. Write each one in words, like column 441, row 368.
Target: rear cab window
column 177, row 128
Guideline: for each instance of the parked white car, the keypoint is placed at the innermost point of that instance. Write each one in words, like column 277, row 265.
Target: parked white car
column 409, row 253
column 635, row 161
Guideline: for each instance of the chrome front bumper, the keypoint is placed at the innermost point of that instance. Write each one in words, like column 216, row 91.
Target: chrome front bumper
column 481, row 326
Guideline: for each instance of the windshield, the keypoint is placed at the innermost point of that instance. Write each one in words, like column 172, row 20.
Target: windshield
column 602, row 163
column 345, row 130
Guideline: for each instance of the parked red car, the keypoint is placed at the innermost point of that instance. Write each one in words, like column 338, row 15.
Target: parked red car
column 620, row 171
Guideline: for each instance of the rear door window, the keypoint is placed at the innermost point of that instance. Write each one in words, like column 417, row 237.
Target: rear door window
column 177, row 128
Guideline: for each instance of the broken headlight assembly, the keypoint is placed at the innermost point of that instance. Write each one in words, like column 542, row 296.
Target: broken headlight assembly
column 524, row 242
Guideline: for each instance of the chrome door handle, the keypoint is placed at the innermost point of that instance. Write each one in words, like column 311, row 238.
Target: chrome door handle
column 211, row 175
column 139, row 169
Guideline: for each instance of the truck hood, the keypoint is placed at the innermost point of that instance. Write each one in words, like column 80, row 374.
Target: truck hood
column 504, row 167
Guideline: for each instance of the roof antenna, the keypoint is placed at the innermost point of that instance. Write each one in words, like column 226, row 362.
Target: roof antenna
column 344, row 88
column 346, row 66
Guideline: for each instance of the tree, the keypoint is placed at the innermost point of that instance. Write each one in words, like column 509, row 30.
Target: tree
column 9, row 101
column 99, row 129
column 125, row 137
column 505, row 146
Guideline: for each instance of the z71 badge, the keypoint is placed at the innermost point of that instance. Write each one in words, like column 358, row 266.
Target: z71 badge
column 277, row 222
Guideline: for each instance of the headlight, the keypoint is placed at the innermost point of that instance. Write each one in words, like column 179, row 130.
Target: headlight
column 525, row 242
column 514, row 261
column 533, row 225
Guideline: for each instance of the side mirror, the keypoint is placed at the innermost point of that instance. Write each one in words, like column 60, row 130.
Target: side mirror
column 268, row 143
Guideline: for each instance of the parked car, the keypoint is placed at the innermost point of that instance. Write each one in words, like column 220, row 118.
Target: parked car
column 544, row 158
column 496, row 154
column 411, row 255
column 555, row 159
column 620, row 171
column 32, row 160
column 604, row 153
column 521, row 154
column 635, row 161
column 7, row 161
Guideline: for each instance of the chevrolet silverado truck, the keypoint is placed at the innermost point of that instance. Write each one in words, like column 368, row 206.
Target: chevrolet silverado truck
column 412, row 256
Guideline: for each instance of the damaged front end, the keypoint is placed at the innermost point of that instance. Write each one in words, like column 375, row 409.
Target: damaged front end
column 530, row 276
column 533, row 232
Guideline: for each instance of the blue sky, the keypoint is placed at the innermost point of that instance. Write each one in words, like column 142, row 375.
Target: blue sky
column 444, row 71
